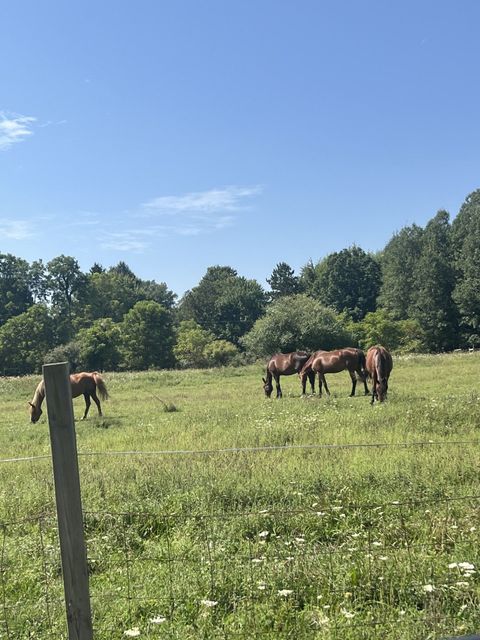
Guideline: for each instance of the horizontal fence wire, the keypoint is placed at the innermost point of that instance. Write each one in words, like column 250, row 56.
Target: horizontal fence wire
column 259, row 449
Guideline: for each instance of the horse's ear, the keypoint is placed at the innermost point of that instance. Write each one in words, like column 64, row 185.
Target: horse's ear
column 30, row 404
column 264, row 381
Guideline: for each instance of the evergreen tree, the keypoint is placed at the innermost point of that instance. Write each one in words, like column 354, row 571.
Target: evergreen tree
column 283, row 281
column 466, row 246
column 434, row 280
column 398, row 262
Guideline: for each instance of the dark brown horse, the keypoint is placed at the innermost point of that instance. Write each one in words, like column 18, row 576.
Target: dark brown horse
column 82, row 383
column 323, row 362
column 379, row 365
column 286, row 364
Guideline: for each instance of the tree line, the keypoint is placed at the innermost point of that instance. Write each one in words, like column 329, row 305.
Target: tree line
column 421, row 293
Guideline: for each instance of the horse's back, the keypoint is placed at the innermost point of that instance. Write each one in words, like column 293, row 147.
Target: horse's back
column 287, row 363
column 83, row 382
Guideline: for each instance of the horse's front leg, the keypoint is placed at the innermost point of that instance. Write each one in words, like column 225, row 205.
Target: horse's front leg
column 311, row 377
column 279, row 389
column 365, row 386
column 87, row 405
column 319, row 385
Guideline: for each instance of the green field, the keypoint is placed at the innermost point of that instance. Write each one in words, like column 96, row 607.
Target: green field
column 281, row 538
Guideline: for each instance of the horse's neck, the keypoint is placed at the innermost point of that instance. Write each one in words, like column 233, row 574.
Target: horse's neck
column 39, row 394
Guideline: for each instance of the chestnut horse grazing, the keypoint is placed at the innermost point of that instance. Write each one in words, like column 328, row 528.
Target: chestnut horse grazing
column 323, row 362
column 82, row 383
column 286, row 364
column 379, row 366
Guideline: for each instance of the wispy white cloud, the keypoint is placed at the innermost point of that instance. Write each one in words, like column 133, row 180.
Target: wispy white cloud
column 207, row 202
column 15, row 229
column 14, row 128
column 124, row 241
column 189, row 215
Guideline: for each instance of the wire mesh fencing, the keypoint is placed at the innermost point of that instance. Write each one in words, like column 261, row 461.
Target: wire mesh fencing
column 405, row 569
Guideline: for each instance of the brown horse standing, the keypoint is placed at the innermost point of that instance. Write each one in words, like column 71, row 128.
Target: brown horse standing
column 323, row 362
column 379, row 366
column 286, row 364
column 82, row 383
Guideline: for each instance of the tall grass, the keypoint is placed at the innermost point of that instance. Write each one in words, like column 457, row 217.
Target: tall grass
column 352, row 542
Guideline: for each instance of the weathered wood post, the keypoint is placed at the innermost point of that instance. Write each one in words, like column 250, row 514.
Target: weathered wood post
column 68, row 498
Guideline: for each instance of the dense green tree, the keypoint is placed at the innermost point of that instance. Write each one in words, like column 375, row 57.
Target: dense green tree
column 38, row 281
column 434, row 280
column 399, row 261
column 15, row 292
column 296, row 322
column 224, row 303
column 24, row 340
column 283, row 281
column 466, row 248
column 66, row 282
column 220, row 353
column 147, row 336
column 381, row 327
column 99, row 345
column 190, row 344
column 110, row 294
column 348, row 280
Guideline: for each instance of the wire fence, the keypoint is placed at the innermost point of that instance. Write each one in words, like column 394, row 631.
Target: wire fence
column 339, row 570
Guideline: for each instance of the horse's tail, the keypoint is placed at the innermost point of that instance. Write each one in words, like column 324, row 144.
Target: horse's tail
column 362, row 364
column 306, row 368
column 101, row 386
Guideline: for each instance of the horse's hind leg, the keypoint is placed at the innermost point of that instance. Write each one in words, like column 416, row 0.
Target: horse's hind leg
column 322, row 379
column 87, row 405
column 97, row 402
column 354, row 383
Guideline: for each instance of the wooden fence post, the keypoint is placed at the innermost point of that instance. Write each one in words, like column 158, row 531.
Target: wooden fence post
column 68, row 498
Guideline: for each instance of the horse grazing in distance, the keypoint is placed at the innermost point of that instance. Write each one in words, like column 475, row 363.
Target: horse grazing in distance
column 379, row 365
column 81, row 383
column 286, row 364
column 323, row 362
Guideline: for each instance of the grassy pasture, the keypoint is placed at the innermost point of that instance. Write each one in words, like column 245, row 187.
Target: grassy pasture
column 304, row 542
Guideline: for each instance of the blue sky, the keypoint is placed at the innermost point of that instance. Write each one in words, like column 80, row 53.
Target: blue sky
column 178, row 135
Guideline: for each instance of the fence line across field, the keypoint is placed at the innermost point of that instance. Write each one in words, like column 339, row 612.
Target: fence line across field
column 294, row 447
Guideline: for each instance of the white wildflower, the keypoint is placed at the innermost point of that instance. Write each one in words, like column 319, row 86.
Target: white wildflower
column 209, row 603
column 261, row 585
column 462, row 584
column 428, row 588
column 132, row 633
column 347, row 614
column 284, row 593
column 158, row 620
column 264, row 534
column 466, row 566
column 376, row 543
